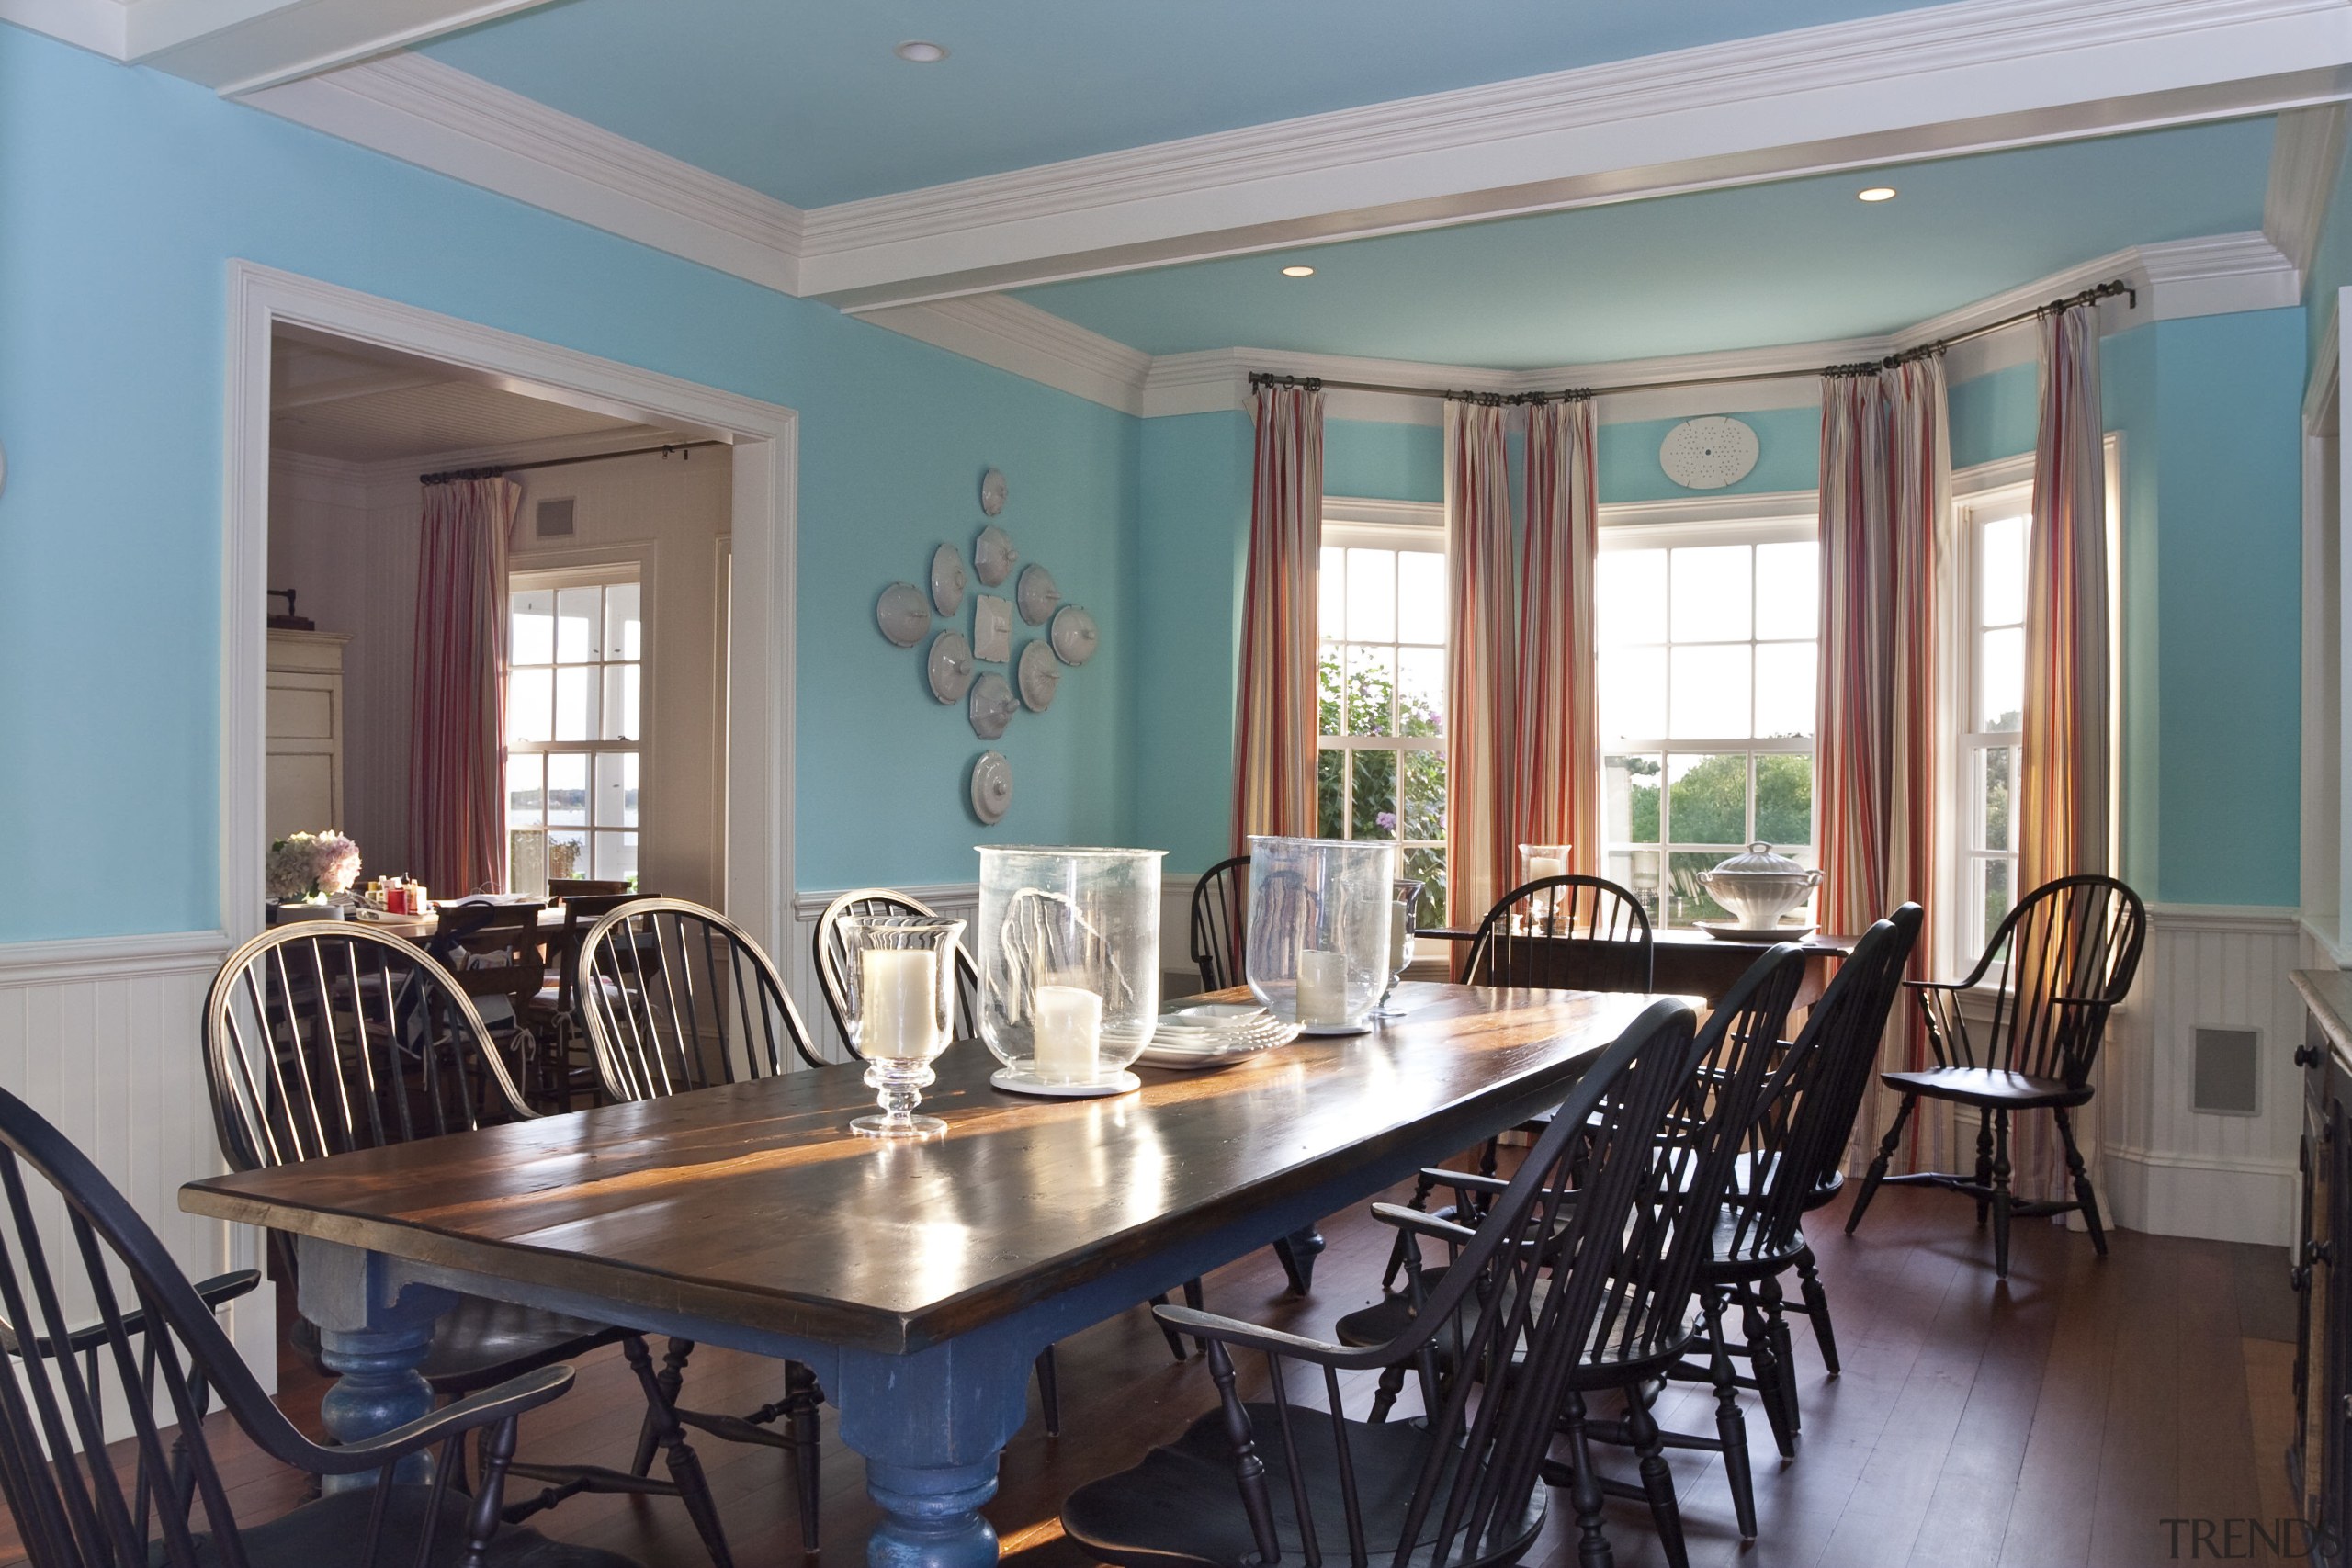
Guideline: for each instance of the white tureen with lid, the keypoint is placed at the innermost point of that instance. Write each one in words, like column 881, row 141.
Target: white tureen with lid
column 1759, row 888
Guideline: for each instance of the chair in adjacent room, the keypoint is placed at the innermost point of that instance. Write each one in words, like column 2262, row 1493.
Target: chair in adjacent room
column 498, row 957
column 563, row 1067
column 2053, row 972
column 1578, row 1250
column 321, row 1039
column 67, row 1236
column 1740, row 1054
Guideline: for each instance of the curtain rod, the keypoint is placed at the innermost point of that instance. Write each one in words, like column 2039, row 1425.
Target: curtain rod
column 2100, row 291
column 456, row 474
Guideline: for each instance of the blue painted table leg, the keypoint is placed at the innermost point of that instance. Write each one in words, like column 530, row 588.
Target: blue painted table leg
column 930, row 1426
column 932, row 1517
column 376, row 1388
column 373, row 1335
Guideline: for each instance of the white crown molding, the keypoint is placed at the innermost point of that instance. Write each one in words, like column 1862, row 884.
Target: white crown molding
column 106, row 957
column 417, row 109
column 2304, row 163
column 241, row 46
column 1932, row 82
column 1012, row 335
column 2219, row 276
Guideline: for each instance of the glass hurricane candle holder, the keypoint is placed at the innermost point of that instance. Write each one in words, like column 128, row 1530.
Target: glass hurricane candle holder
column 1403, row 922
column 1321, row 912
column 899, row 995
column 1070, row 965
column 1539, row 863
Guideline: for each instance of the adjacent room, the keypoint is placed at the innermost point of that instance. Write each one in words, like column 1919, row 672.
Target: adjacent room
column 1175, row 786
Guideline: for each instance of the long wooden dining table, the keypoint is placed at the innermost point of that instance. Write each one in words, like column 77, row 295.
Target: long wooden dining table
column 919, row 1279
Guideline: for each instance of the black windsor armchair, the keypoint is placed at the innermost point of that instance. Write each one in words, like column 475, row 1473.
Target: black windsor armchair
column 2066, row 956
column 322, row 1038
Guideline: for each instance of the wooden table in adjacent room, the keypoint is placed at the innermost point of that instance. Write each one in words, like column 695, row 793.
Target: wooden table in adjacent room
column 919, row 1280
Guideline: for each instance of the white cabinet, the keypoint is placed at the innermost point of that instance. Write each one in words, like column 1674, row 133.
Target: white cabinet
column 302, row 771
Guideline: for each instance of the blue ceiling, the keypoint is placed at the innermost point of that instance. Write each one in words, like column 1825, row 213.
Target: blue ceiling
column 804, row 100
column 1792, row 262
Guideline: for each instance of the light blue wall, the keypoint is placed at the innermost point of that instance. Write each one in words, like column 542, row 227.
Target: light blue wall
column 124, row 193
column 1192, row 560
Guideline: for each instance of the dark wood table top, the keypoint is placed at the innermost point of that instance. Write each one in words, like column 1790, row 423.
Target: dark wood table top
column 754, row 1204
column 1823, row 942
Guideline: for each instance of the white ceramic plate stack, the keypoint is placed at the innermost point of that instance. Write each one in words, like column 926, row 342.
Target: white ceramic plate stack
column 1213, row 1034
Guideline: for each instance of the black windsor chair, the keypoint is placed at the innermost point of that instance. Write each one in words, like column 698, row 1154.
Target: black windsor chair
column 2068, row 954
column 1738, row 1051
column 86, row 1289
column 323, row 1038
column 679, row 997
column 1552, row 1268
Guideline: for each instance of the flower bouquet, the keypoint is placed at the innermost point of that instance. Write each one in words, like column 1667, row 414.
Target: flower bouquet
column 312, row 867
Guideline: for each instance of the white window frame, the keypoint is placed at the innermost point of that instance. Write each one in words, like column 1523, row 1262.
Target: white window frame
column 1395, row 525
column 1974, row 491
column 1972, row 744
column 1787, row 518
column 604, row 573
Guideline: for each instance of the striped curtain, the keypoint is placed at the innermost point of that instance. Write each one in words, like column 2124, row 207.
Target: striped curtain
column 1557, row 796
column 1478, row 730
column 2063, row 795
column 1274, row 744
column 2064, row 779
column 1883, row 705
column 457, row 821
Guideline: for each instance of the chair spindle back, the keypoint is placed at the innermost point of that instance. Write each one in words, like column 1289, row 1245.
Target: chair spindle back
column 1582, row 933
column 680, row 997
column 1221, row 923
column 2068, row 952
column 832, row 955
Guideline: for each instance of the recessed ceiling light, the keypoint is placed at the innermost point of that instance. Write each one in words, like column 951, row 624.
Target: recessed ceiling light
column 1298, row 272
column 1877, row 193
column 920, row 51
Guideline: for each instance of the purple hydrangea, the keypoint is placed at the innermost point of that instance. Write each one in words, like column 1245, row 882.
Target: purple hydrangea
column 1387, row 820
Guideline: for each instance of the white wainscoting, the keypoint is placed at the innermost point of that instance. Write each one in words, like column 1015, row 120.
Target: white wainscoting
column 2169, row 1168
column 104, row 1037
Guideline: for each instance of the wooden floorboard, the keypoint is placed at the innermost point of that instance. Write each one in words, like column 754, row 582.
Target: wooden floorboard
column 2052, row 1421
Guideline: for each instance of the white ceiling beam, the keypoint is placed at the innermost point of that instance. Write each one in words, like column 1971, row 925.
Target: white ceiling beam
column 1942, row 81
column 2303, row 163
column 242, row 46
column 1936, row 82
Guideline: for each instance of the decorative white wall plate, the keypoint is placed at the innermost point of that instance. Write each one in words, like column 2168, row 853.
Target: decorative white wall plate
column 993, row 629
column 1708, row 454
column 992, row 787
column 1039, row 675
column 1075, row 637
column 947, row 579
column 950, row 667
column 1036, row 595
column 904, row 615
column 992, row 490
column 993, row 555
column 992, row 705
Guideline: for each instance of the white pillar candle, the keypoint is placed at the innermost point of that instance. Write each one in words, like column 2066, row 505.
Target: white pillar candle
column 1541, row 866
column 1068, row 1037
column 898, row 1004
column 1322, row 988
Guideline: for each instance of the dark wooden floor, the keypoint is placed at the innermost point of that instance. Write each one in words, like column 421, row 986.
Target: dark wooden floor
column 2053, row 1422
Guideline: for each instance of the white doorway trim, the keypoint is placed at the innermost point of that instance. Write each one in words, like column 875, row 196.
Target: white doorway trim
column 764, row 436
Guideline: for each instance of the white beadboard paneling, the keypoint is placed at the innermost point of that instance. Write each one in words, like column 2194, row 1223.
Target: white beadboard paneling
column 104, row 1037
column 2168, row 1169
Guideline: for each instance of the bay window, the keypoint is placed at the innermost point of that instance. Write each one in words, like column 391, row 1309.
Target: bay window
column 1709, row 636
